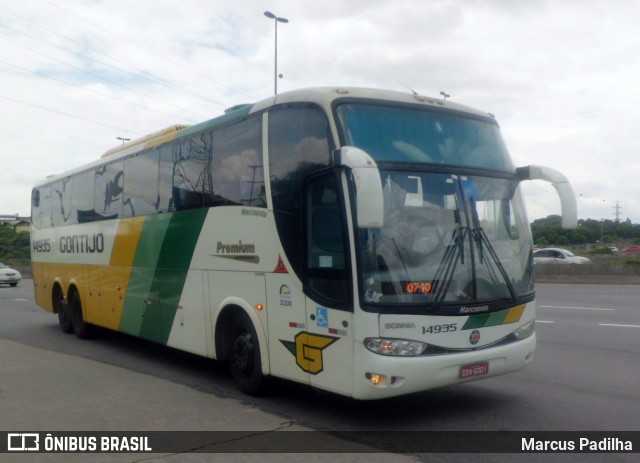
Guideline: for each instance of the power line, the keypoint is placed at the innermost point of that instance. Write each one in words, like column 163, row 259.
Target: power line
column 95, row 92
column 100, row 77
column 69, row 115
column 146, row 75
column 230, row 52
column 151, row 52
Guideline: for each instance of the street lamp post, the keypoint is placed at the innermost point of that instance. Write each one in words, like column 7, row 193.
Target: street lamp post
column 123, row 139
column 276, row 20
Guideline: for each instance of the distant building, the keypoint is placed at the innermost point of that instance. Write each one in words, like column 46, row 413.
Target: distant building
column 19, row 224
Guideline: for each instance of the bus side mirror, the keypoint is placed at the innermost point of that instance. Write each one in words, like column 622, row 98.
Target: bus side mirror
column 366, row 176
column 562, row 186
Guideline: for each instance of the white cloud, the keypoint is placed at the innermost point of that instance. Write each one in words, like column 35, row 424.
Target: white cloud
column 561, row 77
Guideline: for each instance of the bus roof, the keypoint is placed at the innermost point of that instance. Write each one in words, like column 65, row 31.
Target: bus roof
column 322, row 96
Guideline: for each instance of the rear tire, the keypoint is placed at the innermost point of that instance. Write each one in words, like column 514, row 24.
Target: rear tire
column 82, row 329
column 246, row 367
column 64, row 314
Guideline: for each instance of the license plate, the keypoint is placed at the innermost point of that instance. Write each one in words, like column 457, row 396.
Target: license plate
column 476, row 369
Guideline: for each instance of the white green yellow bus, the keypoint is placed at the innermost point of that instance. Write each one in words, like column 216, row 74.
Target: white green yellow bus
column 365, row 242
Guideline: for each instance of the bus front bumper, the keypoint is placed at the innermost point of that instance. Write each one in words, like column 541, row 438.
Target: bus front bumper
column 379, row 376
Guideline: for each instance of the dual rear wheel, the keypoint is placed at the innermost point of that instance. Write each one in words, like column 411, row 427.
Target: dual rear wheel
column 244, row 359
column 70, row 317
column 64, row 314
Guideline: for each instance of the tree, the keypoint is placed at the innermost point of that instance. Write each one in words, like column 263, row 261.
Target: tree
column 13, row 245
column 549, row 231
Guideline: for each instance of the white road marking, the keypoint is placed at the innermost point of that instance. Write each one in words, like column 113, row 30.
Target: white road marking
column 545, row 321
column 574, row 308
column 618, row 325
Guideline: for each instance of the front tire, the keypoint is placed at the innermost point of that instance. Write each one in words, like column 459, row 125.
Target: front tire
column 246, row 367
column 82, row 329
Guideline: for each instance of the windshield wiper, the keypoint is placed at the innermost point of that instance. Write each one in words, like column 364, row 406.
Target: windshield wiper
column 406, row 272
column 453, row 254
column 482, row 241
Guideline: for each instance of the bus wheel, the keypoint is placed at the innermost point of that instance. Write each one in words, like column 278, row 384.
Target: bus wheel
column 245, row 364
column 64, row 314
column 82, row 328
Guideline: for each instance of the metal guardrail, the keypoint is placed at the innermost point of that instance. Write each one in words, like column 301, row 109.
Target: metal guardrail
column 595, row 273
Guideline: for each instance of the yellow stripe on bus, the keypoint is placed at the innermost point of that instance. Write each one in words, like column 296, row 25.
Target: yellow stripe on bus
column 113, row 280
column 514, row 314
column 126, row 242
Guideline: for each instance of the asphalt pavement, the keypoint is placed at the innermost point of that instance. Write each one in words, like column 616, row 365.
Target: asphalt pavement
column 583, row 379
column 43, row 390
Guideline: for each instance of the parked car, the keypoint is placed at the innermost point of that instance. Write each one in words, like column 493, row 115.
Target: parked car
column 557, row 256
column 632, row 249
column 9, row 276
column 613, row 249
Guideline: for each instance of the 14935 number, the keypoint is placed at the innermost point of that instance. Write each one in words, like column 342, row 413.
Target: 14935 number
column 436, row 329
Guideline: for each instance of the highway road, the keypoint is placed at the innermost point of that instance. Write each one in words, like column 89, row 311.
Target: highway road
column 585, row 376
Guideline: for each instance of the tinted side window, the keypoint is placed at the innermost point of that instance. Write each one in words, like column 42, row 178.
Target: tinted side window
column 165, row 180
column 192, row 187
column 41, row 207
column 326, row 247
column 141, row 184
column 61, row 202
column 82, row 204
column 238, row 175
column 299, row 145
column 109, row 182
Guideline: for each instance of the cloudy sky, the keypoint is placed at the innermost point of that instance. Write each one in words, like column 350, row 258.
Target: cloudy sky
column 561, row 76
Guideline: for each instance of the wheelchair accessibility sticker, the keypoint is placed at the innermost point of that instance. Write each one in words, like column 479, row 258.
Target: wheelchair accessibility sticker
column 322, row 317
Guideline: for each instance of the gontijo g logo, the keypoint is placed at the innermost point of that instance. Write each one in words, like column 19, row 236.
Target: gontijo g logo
column 307, row 349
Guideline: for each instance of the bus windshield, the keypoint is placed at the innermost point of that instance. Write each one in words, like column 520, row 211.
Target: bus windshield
column 404, row 134
column 446, row 239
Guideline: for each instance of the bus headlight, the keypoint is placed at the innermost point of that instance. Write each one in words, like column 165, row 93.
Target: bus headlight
column 395, row 347
column 525, row 330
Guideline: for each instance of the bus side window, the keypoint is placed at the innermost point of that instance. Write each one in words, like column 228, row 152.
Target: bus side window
column 82, row 204
column 165, row 180
column 109, row 182
column 237, row 171
column 61, row 202
column 326, row 264
column 41, row 207
column 191, row 172
column 299, row 145
column 325, row 239
column 141, row 184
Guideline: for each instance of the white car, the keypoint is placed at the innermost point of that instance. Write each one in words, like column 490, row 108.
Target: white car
column 557, row 256
column 9, row 276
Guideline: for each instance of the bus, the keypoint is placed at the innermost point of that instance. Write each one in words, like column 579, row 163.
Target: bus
column 365, row 242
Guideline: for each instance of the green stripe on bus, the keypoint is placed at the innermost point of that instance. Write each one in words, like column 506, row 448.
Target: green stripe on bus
column 139, row 298
column 175, row 256
column 159, row 272
column 484, row 320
